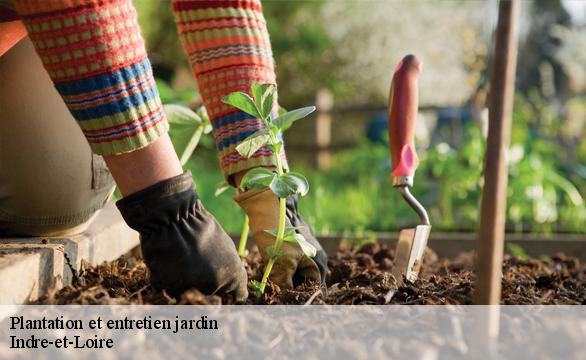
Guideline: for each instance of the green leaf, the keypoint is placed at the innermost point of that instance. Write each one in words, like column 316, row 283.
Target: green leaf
column 222, row 188
column 257, row 287
column 203, row 114
column 306, row 247
column 276, row 147
column 257, row 178
column 181, row 115
column 273, row 252
column 289, row 230
column 300, row 182
column 285, row 121
column 243, row 102
column 272, row 232
column 251, row 144
column 264, row 96
column 280, row 188
column 185, row 131
column 291, row 183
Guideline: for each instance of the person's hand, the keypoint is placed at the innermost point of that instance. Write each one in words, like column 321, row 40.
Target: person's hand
column 183, row 245
column 293, row 267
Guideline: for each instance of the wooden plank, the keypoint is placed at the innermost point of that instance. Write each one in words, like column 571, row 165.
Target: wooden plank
column 28, row 271
column 450, row 245
column 494, row 195
column 107, row 238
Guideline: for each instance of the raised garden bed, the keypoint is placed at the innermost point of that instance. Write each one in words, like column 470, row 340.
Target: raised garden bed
column 355, row 277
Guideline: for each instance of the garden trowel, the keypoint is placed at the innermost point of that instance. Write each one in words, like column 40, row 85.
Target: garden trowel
column 402, row 113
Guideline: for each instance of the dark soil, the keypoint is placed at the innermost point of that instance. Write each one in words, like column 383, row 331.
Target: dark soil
column 355, row 277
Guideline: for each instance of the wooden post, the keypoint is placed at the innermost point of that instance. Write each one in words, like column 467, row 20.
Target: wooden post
column 324, row 101
column 490, row 244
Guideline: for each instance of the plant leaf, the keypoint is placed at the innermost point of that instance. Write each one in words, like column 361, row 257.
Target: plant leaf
column 306, row 247
column 289, row 230
column 292, row 183
column 272, row 232
column 221, row 188
column 203, row 114
column 276, row 147
column 281, row 188
column 181, row 115
column 257, row 178
column 257, row 287
column 285, row 121
column 243, row 102
column 251, row 144
column 273, row 252
column 264, row 97
column 185, row 131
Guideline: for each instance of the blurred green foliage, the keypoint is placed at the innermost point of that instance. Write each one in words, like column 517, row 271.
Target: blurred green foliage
column 160, row 33
column 517, row 251
column 302, row 50
column 356, row 195
column 298, row 38
column 171, row 96
column 547, row 160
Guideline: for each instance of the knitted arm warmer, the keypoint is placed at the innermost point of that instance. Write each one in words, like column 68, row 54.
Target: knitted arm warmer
column 95, row 55
column 228, row 47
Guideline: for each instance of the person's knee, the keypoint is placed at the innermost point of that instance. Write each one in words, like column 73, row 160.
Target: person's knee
column 49, row 179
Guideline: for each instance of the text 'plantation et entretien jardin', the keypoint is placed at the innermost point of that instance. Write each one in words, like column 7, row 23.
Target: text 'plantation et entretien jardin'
column 45, row 340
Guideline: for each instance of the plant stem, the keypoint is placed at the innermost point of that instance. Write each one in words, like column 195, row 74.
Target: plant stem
column 282, row 202
column 278, row 159
column 265, row 276
column 243, row 238
column 278, row 242
column 281, row 228
column 191, row 145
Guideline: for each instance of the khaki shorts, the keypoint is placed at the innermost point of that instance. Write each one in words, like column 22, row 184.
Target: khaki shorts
column 50, row 182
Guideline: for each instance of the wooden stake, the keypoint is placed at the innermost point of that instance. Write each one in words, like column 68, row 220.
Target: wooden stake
column 490, row 244
column 324, row 101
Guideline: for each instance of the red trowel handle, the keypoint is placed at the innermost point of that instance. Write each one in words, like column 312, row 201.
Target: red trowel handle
column 403, row 103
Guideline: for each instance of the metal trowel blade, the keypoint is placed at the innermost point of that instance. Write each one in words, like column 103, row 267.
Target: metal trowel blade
column 409, row 253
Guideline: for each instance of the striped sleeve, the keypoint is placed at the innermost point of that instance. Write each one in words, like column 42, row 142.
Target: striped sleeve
column 228, row 47
column 95, row 55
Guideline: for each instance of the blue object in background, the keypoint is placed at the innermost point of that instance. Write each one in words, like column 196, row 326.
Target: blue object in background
column 376, row 128
column 449, row 126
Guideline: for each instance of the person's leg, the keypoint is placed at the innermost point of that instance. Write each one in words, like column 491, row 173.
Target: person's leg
column 229, row 50
column 50, row 182
column 95, row 55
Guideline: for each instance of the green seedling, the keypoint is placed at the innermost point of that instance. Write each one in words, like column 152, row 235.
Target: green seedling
column 283, row 184
column 242, row 252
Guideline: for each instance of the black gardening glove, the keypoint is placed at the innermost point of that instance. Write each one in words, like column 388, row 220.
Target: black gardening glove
column 321, row 258
column 183, row 245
